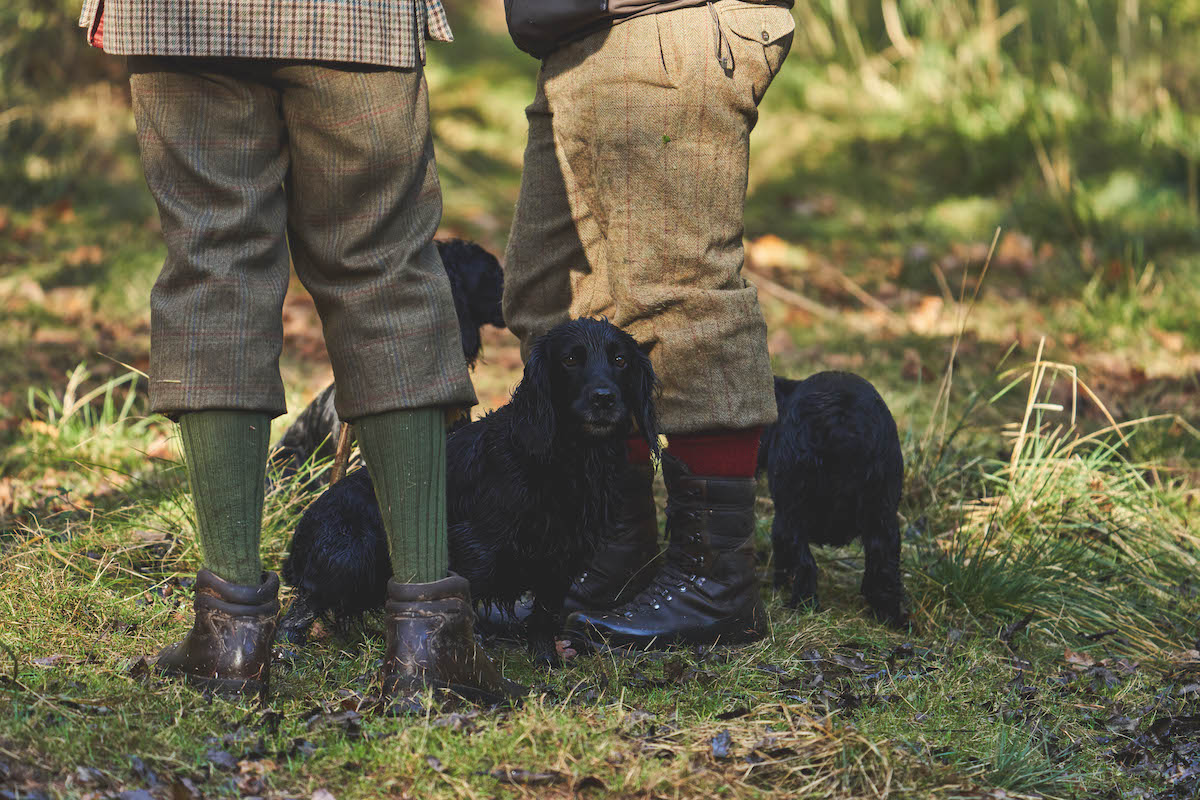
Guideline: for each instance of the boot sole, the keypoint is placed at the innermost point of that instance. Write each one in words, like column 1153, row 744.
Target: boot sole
column 226, row 687
column 593, row 641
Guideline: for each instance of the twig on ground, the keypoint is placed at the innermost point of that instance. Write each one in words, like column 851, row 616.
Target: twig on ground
column 790, row 296
column 342, row 460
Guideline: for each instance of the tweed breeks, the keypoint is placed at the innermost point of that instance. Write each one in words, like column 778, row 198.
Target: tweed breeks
column 632, row 200
column 245, row 158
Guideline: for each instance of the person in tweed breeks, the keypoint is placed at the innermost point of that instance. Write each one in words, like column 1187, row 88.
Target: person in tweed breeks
column 269, row 126
column 631, row 207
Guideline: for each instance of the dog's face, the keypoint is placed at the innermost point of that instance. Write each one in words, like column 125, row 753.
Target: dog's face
column 587, row 379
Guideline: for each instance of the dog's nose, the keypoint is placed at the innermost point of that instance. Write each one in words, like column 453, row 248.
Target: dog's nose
column 603, row 399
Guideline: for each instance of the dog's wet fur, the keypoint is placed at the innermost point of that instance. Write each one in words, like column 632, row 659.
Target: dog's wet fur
column 531, row 490
column 835, row 473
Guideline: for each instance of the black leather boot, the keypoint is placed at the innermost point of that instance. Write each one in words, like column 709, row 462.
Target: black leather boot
column 706, row 591
column 626, row 563
column 431, row 642
column 228, row 649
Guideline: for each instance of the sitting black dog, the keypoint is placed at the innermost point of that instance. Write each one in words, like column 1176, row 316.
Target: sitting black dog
column 531, row 488
column 477, row 283
column 835, row 472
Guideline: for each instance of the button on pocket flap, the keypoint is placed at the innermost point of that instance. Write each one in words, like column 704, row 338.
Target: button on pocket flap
column 763, row 24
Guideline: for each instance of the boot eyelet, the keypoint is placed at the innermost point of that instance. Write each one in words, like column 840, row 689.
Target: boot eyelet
column 669, row 598
column 657, row 606
column 682, row 588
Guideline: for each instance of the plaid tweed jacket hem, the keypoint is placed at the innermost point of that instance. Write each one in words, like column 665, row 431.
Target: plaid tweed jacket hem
column 388, row 33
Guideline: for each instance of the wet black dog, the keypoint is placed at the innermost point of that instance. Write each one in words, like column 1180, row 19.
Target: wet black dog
column 476, row 282
column 835, row 472
column 531, row 488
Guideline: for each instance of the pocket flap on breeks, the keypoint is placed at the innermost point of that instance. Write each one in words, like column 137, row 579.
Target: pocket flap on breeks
column 759, row 23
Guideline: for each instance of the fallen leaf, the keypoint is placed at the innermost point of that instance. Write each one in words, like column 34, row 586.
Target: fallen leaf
column 912, row 368
column 184, row 789
column 1078, row 661
column 522, row 777
column 88, row 776
column 852, row 663
column 590, row 782
column 221, row 760
column 769, row 252
column 720, row 744
column 136, row 794
column 48, row 661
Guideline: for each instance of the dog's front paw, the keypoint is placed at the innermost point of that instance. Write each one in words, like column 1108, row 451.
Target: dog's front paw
column 894, row 618
column 546, row 653
column 294, row 627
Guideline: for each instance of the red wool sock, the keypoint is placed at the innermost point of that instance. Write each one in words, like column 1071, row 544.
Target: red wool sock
column 718, row 454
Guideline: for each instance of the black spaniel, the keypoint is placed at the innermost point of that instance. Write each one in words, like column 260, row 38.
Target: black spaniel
column 476, row 282
column 835, row 472
column 531, row 489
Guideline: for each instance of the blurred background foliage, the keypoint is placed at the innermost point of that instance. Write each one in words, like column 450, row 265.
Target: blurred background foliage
column 1075, row 118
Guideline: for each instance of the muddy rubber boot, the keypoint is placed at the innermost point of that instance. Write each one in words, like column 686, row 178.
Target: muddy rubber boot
column 431, row 643
column 706, row 591
column 627, row 561
column 228, row 649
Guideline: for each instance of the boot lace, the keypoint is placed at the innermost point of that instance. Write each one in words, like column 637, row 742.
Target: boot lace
column 678, row 575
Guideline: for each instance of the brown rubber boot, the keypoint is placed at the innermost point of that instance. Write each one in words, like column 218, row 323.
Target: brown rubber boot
column 627, row 561
column 228, row 649
column 707, row 590
column 431, row 643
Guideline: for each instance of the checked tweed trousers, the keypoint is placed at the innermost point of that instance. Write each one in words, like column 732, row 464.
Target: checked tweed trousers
column 248, row 158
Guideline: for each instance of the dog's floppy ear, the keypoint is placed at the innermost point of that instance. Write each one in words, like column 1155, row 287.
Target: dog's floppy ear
column 642, row 407
column 534, row 421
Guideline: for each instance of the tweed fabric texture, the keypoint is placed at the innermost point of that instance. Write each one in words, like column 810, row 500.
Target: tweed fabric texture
column 383, row 32
column 632, row 199
column 244, row 157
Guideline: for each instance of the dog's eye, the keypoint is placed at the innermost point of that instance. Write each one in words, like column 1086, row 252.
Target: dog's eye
column 570, row 360
column 620, row 361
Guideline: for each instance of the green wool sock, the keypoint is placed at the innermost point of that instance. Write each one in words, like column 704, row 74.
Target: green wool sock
column 406, row 454
column 226, row 455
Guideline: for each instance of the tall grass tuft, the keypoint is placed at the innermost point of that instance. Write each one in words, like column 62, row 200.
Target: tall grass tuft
column 1067, row 528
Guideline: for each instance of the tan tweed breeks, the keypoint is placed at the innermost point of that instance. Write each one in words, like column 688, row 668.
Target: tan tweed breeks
column 632, row 201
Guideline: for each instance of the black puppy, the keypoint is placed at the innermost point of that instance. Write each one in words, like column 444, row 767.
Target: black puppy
column 476, row 282
column 835, row 472
column 531, row 489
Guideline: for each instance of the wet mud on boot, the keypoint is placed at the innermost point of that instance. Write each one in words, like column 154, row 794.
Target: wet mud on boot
column 431, row 644
column 228, row 649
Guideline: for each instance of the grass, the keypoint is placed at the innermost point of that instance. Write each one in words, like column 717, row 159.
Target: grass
column 1048, row 412
column 830, row 705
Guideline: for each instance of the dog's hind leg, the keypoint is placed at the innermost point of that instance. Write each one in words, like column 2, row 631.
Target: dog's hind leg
column 881, row 584
column 804, row 580
column 783, row 555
